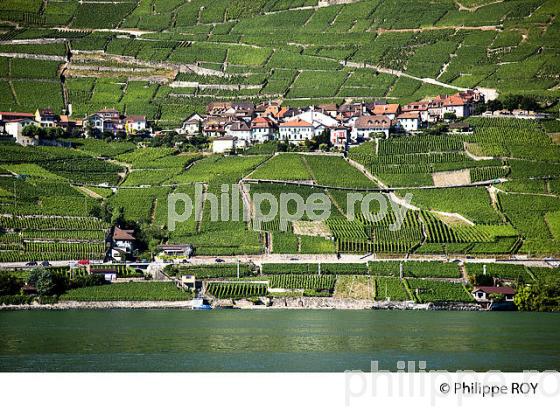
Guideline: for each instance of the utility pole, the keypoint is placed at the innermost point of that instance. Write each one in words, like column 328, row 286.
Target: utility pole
column 237, row 268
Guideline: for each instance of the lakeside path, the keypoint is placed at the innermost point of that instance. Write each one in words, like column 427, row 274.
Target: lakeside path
column 302, row 303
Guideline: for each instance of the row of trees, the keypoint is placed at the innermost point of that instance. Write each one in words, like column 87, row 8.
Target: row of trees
column 510, row 102
column 48, row 285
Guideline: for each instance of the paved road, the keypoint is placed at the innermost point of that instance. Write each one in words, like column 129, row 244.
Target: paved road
column 345, row 258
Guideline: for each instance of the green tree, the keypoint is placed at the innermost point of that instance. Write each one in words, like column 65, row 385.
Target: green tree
column 512, row 102
column 450, row 116
column 494, row 105
column 47, row 282
column 9, row 284
column 541, row 296
column 30, row 130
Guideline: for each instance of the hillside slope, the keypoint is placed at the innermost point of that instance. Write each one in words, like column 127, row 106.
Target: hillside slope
column 195, row 51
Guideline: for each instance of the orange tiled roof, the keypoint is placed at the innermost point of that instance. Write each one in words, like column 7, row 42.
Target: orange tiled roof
column 385, row 109
column 296, row 123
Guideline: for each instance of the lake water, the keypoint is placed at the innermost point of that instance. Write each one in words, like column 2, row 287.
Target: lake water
column 279, row 340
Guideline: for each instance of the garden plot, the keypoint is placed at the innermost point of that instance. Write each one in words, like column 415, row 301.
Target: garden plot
column 354, row 287
column 452, row 178
column 311, row 228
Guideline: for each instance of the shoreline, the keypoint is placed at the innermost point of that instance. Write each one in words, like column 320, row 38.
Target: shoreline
column 301, row 303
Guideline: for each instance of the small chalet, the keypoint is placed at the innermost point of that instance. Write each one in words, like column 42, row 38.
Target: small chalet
column 482, row 294
column 123, row 239
column 178, row 250
column 459, row 127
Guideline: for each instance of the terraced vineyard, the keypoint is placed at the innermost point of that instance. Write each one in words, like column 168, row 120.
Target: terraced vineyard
column 269, row 49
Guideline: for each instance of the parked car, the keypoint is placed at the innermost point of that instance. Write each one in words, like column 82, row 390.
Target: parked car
column 45, row 264
column 219, row 260
column 31, row 263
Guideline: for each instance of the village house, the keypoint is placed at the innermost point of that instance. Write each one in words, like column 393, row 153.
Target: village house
column 14, row 128
column 347, row 111
column 191, row 126
column 46, row 117
column 135, row 124
column 239, row 130
column 296, row 130
column 366, row 125
column 217, row 108
column 262, row 129
column 320, row 121
column 215, row 126
column 329, row 109
column 389, row 110
column 106, row 120
column 409, row 121
column 10, row 116
column 339, row 136
column 456, row 105
column 122, row 243
column 69, row 123
column 243, row 111
column 420, row 107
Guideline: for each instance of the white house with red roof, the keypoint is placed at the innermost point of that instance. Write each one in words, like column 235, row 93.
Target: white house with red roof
column 296, row 130
column 409, row 121
column 482, row 294
column 320, row 121
column 262, row 129
column 420, row 107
